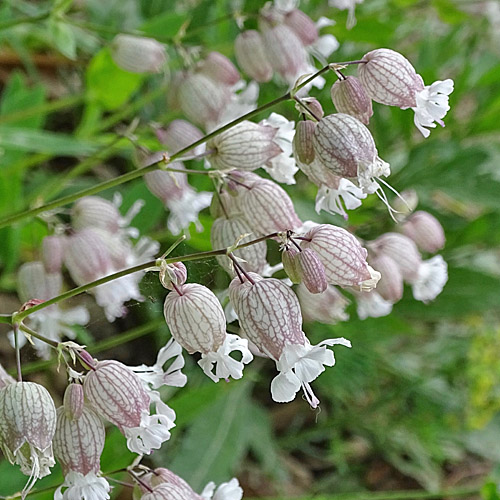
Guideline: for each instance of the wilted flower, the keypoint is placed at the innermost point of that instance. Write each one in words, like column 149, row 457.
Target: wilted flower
column 349, row 97
column 119, row 395
column 27, row 425
column 269, row 316
column 372, row 305
column 431, row 278
column 196, row 320
column 327, row 307
column 138, row 54
column 425, row 230
column 251, row 55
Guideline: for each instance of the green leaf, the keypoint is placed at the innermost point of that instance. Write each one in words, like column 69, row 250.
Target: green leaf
column 109, row 85
column 63, row 38
column 165, row 25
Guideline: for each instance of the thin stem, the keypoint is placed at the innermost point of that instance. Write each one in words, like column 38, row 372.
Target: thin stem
column 237, row 266
column 23, row 20
column 139, row 480
column 18, row 354
column 18, row 317
column 302, row 105
column 31, row 332
column 173, row 246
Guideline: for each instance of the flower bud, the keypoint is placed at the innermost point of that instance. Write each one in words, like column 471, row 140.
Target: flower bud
column 268, row 208
column 346, row 147
column 178, row 135
column 202, row 100
column 34, row 282
column 342, row 256
column 173, row 274
column 349, row 97
column 79, row 441
column 246, row 146
column 220, row 69
column 402, row 250
column 302, row 25
column 226, row 232
column 327, row 307
column 390, row 286
column 389, row 78
column 27, row 425
column 116, row 393
column 303, row 141
column 95, row 212
column 138, row 54
column 425, row 230
column 162, row 475
column 312, row 271
column 167, row 186
column 313, row 105
column 291, row 264
column 251, row 55
column 195, row 318
column 53, row 252
column 73, row 401
column 285, row 52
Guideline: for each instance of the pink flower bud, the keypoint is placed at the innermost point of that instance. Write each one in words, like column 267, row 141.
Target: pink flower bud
column 327, row 307
column 349, row 97
column 34, row 282
column 53, row 253
column 226, row 232
column 316, row 110
column 170, row 491
column 73, row 401
column 341, row 254
column 116, row 393
column 167, row 186
column 303, row 141
column 390, row 286
column 138, row 54
column 312, row 271
column 389, row 78
column 27, row 425
column 346, row 147
column 95, row 212
column 268, row 208
column 220, row 69
column 251, row 55
column 202, row 100
column 302, row 25
column 285, row 52
column 425, row 230
column 165, row 476
column 246, row 146
column 291, row 264
column 79, row 441
column 402, row 250
column 173, row 274
column 195, row 318
column 178, row 135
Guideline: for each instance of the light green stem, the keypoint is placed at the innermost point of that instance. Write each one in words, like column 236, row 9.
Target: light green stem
column 23, row 20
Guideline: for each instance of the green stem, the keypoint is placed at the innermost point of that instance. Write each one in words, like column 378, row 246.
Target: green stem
column 18, row 317
column 31, row 332
column 23, row 20
column 140, row 172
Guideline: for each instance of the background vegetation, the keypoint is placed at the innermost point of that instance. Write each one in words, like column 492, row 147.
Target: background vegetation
column 415, row 404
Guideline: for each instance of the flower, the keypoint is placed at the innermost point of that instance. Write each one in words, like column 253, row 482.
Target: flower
column 372, row 305
column 431, row 278
column 350, row 6
column 83, row 487
column 138, row 54
column 327, row 307
column 330, row 199
column 432, row 105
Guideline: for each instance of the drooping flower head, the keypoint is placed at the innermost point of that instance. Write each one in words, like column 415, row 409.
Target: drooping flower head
column 138, row 54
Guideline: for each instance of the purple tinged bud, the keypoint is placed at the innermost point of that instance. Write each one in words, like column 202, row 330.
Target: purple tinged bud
column 173, row 274
column 390, row 286
column 79, row 441
column 178, row 135
column 138, row 54
column 425, row 230
column 167, row 186
column 246, row 146
column 53, row 253
column 168, row 491
column 116, row 393
column 340, row 252
column 302, row 25
column 87, row 358
column 226, row 232
column 303, row 141
column 314, row 105
column 268, row 208
column 285, row 52
column 95, row 212
column 350, row 97
column 402, row 250
column 291, row 265
column 220, row 69
column 34, row 282
column 195, row 318
column 202, row 100
column 251, row 55
column 312, row 271
column 389, row 78
column 162, row 476
column 73, row 401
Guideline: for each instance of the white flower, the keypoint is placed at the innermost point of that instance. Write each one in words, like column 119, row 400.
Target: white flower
column 298, row 366
column 282, row 168
column 325, row 45
column 329, row 199
column 348, row 5
column 155, row 376
column 432, row 276
column 226, row 491
column 186, row 209
column 372, row 305
column 432, row 105
column 226, row 366
column 80, row 487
